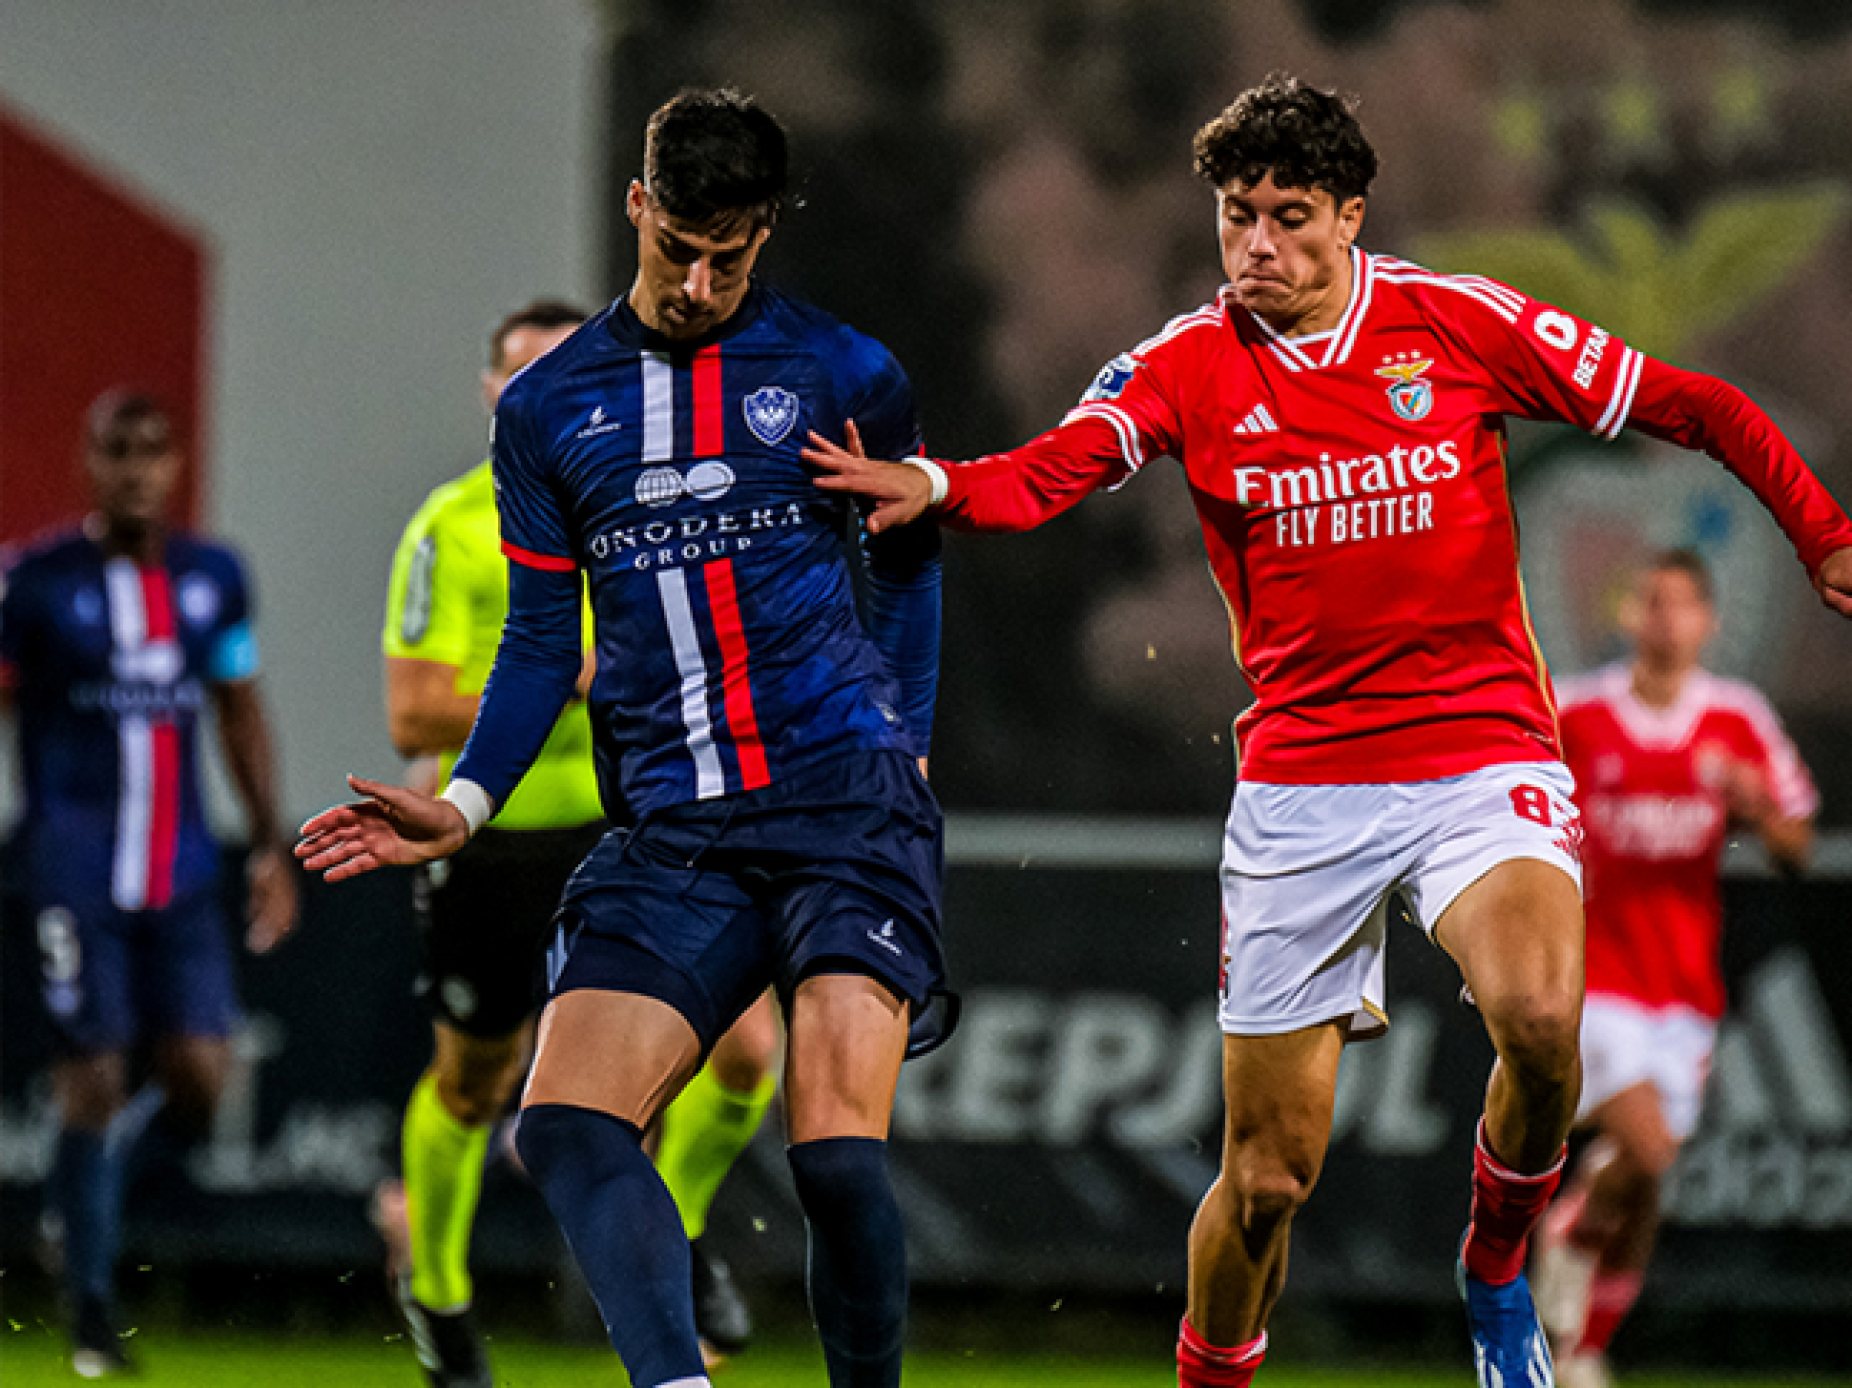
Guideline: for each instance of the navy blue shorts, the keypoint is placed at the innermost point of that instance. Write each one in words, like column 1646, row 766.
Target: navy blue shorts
column 111, row 978
column 836, row 869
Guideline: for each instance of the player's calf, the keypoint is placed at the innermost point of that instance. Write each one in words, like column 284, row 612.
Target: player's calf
column 858, row 1257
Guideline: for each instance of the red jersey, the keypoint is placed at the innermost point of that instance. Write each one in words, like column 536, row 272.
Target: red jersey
column 1351, row 488
column 1654, row 823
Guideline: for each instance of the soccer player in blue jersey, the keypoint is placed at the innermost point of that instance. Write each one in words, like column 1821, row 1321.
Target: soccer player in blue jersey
column 113, row 639
column 762, row 733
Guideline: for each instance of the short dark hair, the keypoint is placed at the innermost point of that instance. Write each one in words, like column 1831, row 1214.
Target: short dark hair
column 714, row 154
column 1305, row 137
column 1689, row 562
column 542, row 313
column 122, row 407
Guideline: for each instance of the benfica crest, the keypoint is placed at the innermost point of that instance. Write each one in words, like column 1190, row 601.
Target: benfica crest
column 1409, row 396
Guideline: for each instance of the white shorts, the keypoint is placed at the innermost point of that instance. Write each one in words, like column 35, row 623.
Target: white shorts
column 1308, row 873
column 1625, row 1043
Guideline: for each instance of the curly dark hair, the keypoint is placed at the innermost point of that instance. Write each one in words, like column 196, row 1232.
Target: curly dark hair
column 1305, row 137
column 709, row 155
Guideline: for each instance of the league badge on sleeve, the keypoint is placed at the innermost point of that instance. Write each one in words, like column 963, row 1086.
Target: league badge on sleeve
column 1114, row 377
column 770, row 412
column 1409, row 396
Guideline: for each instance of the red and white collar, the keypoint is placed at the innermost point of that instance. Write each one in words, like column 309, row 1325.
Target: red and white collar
column 1314, row 351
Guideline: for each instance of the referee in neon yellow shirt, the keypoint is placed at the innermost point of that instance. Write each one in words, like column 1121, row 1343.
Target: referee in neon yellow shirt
column 485, row 917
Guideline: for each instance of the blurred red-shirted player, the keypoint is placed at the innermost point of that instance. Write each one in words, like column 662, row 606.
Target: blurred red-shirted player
column 1667, row 759
column 1339, row 417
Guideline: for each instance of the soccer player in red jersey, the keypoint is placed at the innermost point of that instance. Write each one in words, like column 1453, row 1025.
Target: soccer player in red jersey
column 1338, row 415
column 1667, row 759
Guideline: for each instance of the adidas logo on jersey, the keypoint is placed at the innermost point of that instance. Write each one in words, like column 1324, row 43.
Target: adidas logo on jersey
column 1258, row 421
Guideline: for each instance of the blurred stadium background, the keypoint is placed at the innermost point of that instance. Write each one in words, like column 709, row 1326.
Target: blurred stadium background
column 298, row 222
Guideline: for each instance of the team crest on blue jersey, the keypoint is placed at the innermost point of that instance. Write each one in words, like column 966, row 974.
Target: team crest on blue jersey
column 770, row 413
column 1409, row 396
column 1114, row 377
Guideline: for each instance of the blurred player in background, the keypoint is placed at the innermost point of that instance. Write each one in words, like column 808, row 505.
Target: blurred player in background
column 485, row 917
column 766, row 737
column 113, row 640
column 1668, row 759
column 1339, row 417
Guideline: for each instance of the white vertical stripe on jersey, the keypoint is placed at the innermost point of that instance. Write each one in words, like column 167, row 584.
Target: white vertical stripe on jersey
column 658, row 408
column 710, row 778
column 128, row 631
column 672, row 584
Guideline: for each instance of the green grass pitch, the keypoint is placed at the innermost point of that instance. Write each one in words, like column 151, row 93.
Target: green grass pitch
column 32, row 1355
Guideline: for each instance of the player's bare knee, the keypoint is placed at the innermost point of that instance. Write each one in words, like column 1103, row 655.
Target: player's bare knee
column 1536, row 1033
column 1269, row 1200
column 1268, row 1187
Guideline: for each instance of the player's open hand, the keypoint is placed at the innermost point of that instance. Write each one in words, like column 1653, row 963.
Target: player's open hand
column 900, row 493
column 1834, row 581
column 271, row 901
column 392, row 826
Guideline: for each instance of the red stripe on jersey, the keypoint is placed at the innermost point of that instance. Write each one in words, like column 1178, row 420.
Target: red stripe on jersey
column 157, row 598
column 164, row 810
column 164, row 749
column 710, row 427
column 723, row 599
column 551, row 563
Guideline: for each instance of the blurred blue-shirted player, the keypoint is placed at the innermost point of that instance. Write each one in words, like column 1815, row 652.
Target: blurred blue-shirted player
column 113, row 638
column 763, row 738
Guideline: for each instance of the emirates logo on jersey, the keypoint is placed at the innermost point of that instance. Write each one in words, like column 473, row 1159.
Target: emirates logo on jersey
column 1409, row 396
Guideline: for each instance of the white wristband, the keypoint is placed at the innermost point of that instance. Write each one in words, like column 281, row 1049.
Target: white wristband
column 941, row 484
column 473, row 801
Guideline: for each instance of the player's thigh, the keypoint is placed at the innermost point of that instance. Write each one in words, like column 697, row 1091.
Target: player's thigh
column 1634, row 1120
column 1516, row 934
column 625, row 1054
column 745, row 1055
column 1498, row 885
column 663, row 913
column 1279, row 1092
column 848, row 1038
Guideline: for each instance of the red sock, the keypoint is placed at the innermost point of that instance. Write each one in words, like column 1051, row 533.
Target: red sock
column 1202, row 1365
column 1506, row 1205
column 1609, row 1301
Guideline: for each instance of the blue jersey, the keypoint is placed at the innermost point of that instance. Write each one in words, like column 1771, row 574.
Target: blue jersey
column 730, row 650
column 108, row 660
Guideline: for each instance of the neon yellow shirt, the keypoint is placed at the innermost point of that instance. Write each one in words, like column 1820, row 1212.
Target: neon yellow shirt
column 447, row 602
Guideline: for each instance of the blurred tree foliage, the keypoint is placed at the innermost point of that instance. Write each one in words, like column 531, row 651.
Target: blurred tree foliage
column 1640, row 278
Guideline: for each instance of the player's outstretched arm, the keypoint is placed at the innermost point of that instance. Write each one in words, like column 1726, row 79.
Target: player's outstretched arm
column 1833, row 581
column 392, row 826
column 900, row 492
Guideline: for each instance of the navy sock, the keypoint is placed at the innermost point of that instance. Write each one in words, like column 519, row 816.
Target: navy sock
column 86, row 1187
column 625, row 1232
column 858, row 1258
